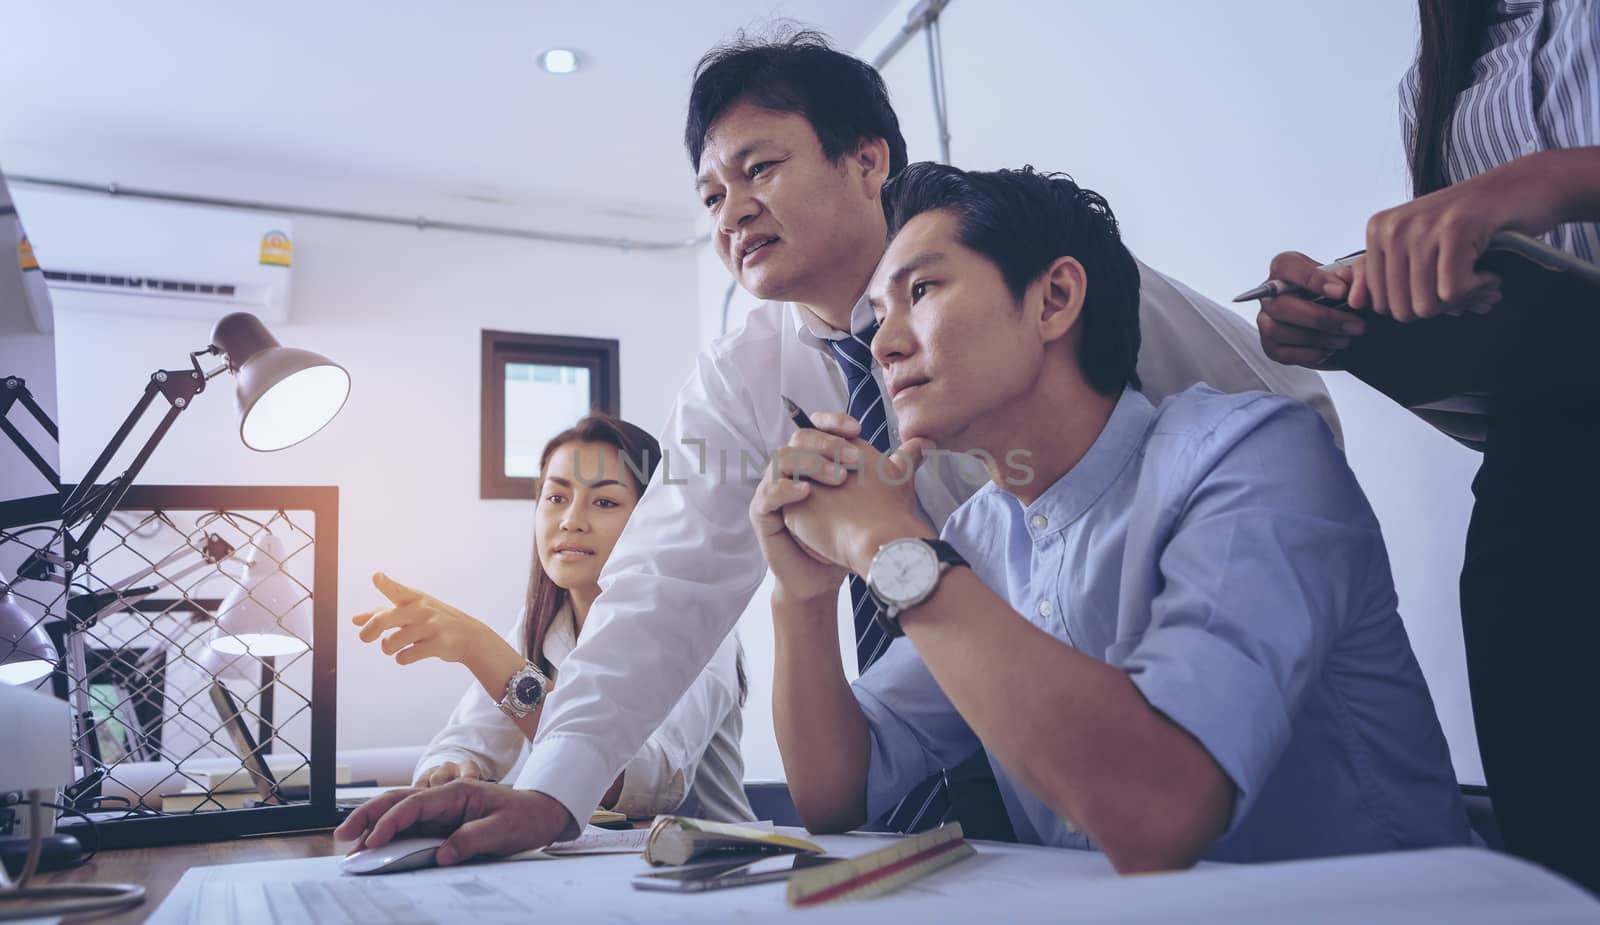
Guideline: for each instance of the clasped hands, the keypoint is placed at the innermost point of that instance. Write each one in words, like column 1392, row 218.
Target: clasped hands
column 828, row 500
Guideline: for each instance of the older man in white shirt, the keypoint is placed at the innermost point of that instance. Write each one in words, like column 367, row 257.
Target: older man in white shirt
column 792, row 143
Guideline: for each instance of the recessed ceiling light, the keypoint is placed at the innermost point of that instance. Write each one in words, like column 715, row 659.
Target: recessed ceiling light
column 559, row 61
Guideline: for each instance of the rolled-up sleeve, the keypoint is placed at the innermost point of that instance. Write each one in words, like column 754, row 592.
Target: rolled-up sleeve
column 1258, row 575
column 914, row 728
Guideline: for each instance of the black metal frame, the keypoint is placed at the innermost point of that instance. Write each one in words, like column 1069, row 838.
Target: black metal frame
column 322, row 502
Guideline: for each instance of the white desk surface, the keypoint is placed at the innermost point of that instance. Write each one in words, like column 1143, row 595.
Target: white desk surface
column 1002, row 883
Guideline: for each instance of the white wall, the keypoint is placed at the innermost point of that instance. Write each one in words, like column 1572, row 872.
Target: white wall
column 402, row 311
column 1223, row 134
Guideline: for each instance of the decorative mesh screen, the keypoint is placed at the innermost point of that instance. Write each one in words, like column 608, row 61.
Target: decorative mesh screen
column 197, row 656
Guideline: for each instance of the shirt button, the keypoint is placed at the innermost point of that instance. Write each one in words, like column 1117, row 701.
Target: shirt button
column 1040, row 521
column 1045, row 609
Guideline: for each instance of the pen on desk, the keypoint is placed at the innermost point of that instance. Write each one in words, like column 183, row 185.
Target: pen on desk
column 1273, row 288
column 797, row 415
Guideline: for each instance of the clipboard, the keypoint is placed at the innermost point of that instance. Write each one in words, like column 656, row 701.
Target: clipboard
column 1447, row 370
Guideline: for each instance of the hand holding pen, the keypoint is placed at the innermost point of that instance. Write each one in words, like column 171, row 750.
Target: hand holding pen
column 1304, row 319
column 797, row 415
column 1275, row 287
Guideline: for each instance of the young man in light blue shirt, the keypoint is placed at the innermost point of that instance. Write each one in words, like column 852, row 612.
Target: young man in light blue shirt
column 1173, row 628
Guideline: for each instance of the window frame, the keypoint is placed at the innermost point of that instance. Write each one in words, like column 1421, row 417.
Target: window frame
column 600, row 355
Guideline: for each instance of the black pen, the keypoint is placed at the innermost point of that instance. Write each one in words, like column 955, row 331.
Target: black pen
column 797, row 415
column 1273, row 288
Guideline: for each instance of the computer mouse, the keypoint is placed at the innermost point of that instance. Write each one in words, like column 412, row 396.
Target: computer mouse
column 398, row 855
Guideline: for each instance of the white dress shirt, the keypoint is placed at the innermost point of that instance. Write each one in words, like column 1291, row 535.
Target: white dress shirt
column 688, row 562
column 690, row 764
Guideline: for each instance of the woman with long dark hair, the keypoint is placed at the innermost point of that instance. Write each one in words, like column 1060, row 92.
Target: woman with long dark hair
column 1501, row 114
column 591, row 476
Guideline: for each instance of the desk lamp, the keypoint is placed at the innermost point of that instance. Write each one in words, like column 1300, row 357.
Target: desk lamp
column 266, row 613
column 284, row 395
column 26, row 654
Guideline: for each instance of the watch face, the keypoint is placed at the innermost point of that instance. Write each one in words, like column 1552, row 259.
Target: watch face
column 904, row 571
column 529, row 690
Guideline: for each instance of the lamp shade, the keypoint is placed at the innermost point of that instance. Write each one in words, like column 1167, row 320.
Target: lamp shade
column 285, row 394
column 26, row 654
column 268, row 613
column 228, row 666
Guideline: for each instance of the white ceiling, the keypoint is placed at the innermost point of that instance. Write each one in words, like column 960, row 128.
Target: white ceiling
column 444, row 99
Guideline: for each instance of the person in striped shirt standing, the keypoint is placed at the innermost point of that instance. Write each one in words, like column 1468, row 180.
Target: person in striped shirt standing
column 1501, row 113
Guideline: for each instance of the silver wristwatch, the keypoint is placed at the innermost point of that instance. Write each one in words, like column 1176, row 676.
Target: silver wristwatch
column 905, row 573
column 524, row 692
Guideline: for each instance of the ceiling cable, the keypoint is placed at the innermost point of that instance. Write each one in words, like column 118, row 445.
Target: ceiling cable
column 419, row 222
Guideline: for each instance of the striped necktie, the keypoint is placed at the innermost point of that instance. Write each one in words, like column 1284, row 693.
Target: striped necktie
column 854, row 354
column 928, row 803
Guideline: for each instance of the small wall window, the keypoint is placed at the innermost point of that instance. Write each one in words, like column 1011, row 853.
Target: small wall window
column 534, row 387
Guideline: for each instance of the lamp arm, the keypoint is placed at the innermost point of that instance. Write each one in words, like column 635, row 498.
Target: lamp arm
column 179, row 387
column 26, row 398
column 16, row 392
column 87, row 483
column 32, row 454
column 213, row 350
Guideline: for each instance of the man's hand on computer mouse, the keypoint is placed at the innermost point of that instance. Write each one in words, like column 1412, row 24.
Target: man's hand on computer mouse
column 479, row 819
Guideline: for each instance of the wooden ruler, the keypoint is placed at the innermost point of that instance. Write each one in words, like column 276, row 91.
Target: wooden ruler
column 876, row 873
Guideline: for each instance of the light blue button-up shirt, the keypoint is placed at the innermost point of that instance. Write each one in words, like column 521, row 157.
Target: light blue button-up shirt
column 1219, row 550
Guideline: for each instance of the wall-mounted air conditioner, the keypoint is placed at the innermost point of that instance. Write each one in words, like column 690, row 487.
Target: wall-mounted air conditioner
column 124, row 256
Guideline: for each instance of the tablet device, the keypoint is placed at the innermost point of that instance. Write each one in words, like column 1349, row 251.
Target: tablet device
column 1542, row 255
column 245, row 744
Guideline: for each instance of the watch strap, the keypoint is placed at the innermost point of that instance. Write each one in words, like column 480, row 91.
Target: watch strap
column 947, row 553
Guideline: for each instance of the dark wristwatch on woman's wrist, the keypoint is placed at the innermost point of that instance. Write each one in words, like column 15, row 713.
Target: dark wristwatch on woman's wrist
column 524, row 692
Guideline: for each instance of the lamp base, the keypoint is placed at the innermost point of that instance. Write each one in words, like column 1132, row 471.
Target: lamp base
column 59, row 853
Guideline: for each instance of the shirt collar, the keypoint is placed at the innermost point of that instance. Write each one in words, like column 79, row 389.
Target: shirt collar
column 816, row 332
column 1075, row 493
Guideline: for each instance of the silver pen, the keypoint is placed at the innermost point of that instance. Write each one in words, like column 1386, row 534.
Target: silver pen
column 1273, row 288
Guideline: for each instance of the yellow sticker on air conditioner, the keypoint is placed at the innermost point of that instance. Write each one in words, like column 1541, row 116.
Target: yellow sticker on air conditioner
column 25, row 255
column 276, row 249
